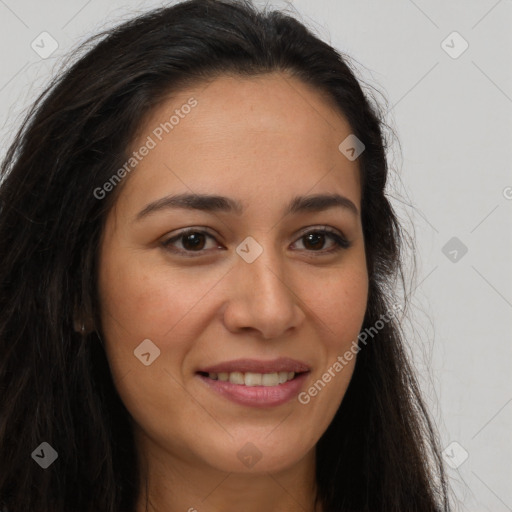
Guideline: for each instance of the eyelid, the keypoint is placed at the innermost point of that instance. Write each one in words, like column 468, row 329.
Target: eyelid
column 319, row 227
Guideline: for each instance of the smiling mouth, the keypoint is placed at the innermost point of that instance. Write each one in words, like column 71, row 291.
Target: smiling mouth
column 252, row 379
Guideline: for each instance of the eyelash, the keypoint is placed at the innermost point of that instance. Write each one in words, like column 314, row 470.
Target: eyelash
column 340, row 241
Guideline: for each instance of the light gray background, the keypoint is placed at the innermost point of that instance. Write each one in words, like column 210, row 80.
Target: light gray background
column 453, row 117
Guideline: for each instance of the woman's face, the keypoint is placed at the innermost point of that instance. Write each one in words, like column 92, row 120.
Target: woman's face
column 255, row 293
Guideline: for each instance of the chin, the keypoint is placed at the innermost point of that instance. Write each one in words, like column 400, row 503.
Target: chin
column 256, row 457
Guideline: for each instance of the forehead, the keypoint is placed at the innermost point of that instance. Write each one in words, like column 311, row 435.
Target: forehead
column 268, row 135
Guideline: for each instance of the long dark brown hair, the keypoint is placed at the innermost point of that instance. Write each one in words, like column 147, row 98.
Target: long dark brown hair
column 380, row 453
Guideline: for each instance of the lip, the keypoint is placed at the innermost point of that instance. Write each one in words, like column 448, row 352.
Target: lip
column 282, row 364
column 257, row 396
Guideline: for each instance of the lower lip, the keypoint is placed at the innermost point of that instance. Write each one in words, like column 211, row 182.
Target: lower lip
column 257, row 396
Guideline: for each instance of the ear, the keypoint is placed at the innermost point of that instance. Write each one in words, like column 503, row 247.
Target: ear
column 77, row 324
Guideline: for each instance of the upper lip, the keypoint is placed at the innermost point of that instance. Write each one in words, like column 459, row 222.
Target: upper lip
column 282, row 364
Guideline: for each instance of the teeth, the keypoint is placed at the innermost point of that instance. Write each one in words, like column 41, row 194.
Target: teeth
column 270, row 379
column 236, row 378
column 253, row 379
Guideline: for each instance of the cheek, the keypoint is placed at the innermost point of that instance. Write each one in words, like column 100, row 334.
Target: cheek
column 340, row 307
column 145, row 298
column 150, row 302
column 142, row 299
column 341, row 304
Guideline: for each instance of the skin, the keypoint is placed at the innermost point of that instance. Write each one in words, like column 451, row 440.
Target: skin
column 260, row 140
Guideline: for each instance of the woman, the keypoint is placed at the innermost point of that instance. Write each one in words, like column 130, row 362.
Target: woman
column 197, row 301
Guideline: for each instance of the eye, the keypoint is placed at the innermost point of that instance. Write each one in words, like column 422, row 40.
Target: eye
column 193, row 241
column 315, row 240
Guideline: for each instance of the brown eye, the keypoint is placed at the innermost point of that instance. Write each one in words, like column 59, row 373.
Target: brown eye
column 314, row 241
column 191, row 241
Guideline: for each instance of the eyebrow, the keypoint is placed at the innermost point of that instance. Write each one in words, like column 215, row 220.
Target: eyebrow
column 216, row 203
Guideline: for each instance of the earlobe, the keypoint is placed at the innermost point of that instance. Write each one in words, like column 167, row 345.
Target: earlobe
column 80, row 326
column 82, row 323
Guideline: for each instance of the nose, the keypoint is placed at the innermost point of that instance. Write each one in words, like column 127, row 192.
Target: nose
column 262, row 298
